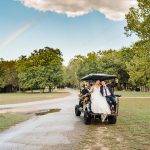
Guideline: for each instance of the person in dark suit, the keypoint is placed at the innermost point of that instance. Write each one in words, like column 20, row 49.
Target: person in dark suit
column 107, row 91
column 84, row 95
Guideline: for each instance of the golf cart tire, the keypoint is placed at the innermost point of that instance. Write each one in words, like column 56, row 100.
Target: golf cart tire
column 77, row 111
column 87, row 118
column 112, row 119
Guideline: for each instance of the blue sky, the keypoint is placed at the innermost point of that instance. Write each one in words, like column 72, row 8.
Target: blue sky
column 24, row 29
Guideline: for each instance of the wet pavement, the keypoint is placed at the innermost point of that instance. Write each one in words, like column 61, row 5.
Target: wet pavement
column 58, row 131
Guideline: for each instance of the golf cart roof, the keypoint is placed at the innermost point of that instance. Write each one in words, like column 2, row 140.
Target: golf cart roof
column 98, row 77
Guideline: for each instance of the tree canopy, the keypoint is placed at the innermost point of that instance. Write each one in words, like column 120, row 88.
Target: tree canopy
column 43, row 68
column 138, row 20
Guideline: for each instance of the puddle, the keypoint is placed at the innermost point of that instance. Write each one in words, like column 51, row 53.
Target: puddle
column 44, row 112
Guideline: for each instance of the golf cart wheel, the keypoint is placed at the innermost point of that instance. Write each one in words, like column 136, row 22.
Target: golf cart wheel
column 87, row 118
column 112, row 119
column 77, row 111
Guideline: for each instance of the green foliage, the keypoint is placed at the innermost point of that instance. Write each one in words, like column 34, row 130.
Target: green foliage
column 110, row 62
column 71, row 78
column 138, row 20
column 8, row 74
column 139, row 66
column 131, row 65
column 42, row 69
column 90, row 64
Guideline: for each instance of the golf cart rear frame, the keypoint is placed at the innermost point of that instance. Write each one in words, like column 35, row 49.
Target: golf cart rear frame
column 88, row 114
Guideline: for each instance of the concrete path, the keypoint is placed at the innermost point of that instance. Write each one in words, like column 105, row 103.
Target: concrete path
column 60, row 130
column 36, row 105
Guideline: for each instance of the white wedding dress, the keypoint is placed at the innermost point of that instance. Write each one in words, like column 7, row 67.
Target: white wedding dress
column 99, row 104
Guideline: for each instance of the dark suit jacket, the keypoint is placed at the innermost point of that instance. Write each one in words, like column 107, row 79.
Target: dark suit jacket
column 110, row 88
column 84, row 91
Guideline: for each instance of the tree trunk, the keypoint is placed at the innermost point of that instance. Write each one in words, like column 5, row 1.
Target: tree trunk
column 19, row 89
column 50, row 89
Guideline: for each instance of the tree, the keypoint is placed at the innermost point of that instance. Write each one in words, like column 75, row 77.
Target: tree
column 8, row 75
column 138, row 67
column 43, row 68
column 72, row 79
column 2, row 84
column 138, row 20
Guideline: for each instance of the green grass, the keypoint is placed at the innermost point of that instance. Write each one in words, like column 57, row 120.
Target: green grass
column 9, row 119
column 132, row 131
column 14, row 98
column 133, row 94
column 133, row 125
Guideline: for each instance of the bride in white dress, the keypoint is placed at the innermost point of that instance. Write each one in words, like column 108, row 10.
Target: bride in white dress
column 98, row 102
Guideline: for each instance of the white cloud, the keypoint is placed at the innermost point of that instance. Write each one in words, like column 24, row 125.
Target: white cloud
column 112, row 9
column 14, row 35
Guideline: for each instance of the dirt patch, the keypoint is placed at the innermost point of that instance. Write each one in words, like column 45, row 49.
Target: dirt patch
column 93, row 139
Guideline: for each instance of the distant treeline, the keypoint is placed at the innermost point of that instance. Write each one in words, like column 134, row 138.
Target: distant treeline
column 131, row 65
column 43, row 68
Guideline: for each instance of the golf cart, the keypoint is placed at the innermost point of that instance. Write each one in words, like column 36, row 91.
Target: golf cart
column 85, row 107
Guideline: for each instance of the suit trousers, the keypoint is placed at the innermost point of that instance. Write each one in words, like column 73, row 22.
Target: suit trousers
column 111, row 101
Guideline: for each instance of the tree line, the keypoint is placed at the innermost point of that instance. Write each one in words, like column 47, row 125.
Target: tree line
column 44, row 67
column 129, row 64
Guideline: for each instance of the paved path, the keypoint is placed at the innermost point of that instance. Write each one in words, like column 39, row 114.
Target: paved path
column 36, row 105
column 134, row 97
column 60, row 130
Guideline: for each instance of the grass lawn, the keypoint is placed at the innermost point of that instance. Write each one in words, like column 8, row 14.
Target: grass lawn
column 133, row 94
column 132, row 131
column 133, row 127
column 13, row 98
column 7, row 120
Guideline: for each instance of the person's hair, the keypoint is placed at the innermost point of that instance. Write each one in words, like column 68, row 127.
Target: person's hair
column 107, row 81
column 84, row 84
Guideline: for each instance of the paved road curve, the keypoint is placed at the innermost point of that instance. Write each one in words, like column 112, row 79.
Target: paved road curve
column 60, row 130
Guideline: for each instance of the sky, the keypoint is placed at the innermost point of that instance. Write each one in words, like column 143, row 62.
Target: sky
column 73, row 26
